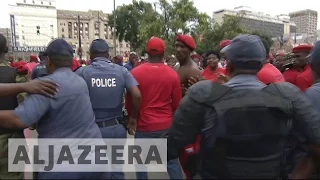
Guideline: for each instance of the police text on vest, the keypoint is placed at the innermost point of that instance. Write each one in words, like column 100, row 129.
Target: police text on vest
column 100, row 82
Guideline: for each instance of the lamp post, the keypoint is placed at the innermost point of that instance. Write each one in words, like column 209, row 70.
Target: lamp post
column 114, row 28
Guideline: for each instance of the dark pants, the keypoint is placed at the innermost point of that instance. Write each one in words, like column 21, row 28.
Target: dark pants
column 173, row 166
column 117, row 131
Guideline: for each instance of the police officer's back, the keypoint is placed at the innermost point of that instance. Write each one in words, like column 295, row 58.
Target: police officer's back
column 244, row 122
column 107, row 83
column 40, row 70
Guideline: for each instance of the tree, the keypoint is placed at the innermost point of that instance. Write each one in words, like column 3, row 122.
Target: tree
column 171, row 18
column 264, row 36
column 128, row 21
column 228, row 29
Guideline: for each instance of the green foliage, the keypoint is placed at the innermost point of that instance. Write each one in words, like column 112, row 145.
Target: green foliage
column 136, row 23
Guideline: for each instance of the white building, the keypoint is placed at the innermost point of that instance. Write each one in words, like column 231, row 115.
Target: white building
column 33, row 23
column 274, row 26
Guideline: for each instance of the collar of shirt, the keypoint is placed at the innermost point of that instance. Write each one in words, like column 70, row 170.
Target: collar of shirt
column 245, row 81
column 62, row 69
column 100, row 61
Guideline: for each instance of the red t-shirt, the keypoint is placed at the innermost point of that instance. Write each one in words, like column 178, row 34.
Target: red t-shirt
column 211, row 75
column 270, row 74
column 161, row 94
column 291, row 75
column 75, row 64
column 305, row 79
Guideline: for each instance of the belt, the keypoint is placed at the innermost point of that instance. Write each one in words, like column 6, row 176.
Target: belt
column 108, row 123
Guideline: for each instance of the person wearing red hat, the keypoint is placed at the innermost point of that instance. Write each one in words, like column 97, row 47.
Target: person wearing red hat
column 197, row 59
column 161, row 95
column 300, row 61
column 188, row 69
column 305, row 79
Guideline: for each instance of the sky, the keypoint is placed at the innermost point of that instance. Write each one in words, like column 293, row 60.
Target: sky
column 272, row 7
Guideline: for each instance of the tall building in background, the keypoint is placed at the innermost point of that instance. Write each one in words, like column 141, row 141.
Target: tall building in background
column 33, row 24
column 93, row 25
column 306, row 21
column 274, row 26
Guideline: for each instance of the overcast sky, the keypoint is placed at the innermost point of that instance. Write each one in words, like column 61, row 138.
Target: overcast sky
column 273, row 7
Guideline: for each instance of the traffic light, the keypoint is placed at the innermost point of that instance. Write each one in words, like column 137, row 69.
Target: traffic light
column 38, row 30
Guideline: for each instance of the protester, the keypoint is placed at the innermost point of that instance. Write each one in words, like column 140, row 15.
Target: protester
column 305, row 79
column 118, row 60
column 106, row 98
column 213, row 70
column 280, row 61
column 234, row 144
column 161, row 94
column 185, row 44
column 269, row 73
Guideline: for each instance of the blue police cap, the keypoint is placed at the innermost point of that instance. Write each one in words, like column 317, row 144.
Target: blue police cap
column 99, row 45
column 315, row 54
column 246, row 48
column 59, row 47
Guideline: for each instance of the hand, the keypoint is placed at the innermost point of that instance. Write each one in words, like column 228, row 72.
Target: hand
column 194, row 80
column 221, row 79
column 132, row 126
column 47, row 88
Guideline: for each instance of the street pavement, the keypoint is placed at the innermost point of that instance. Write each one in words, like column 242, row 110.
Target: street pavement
column 128, row 175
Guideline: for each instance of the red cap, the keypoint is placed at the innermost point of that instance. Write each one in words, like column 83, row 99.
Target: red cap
column 302, row 48
column 34, row 58
column 156, row 46
column 22, row 69
column 225, row 43
column 187, row 40
column 196, row 56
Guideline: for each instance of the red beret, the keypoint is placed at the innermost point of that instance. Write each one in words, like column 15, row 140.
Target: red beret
column 23, row 70
column 225, row 43
column 33, row 58
column 302, row 48
column 156, row 46
column 187, row 40
column 196, row 56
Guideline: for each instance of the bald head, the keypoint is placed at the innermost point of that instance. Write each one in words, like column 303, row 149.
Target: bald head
column 3, row 44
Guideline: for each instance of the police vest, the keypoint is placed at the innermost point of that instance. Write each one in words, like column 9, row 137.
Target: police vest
column 251, row 132
column 8, row 75
column 106, row 87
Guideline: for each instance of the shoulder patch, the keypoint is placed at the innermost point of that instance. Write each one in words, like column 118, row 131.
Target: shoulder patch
column 207, row 91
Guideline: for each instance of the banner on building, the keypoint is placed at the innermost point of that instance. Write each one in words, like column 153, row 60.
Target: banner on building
column 29, row 49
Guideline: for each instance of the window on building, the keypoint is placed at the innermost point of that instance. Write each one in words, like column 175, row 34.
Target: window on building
column 121, row 45
column 51, row 26
column 32, row 2
column 70, row 36
column 127, row 45
column 23, row 38
column 24, row 1
column 62, row 29
column 41, row 2
column 62, row 36
column 50, row 3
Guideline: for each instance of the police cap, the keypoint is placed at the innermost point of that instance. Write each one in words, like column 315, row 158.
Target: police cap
column 244, row 49
column 59, row 47
column 99, row 46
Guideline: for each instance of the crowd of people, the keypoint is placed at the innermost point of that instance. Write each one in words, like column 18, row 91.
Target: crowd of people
column 240, row 112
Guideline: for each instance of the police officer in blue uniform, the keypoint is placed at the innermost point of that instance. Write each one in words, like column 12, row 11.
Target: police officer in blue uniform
column 107, row 83
column 244, row 123
column 40, row 70
column 68, row 114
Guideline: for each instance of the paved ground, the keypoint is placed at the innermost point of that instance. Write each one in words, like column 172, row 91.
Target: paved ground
column 130, row 175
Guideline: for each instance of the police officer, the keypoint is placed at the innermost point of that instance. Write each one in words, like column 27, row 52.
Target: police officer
column 68, row 115
column 40, row 70
column 244, row 122
column 107, row 82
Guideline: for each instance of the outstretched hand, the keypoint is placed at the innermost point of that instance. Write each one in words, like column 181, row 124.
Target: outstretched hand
column 221, row 79
column 194, row 80
column 44, row 87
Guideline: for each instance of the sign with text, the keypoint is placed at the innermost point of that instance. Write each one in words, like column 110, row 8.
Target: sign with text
column 88, row 155
column 29, row 49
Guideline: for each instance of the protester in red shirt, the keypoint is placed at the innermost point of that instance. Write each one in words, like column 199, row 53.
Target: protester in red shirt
column 300, row 54
column 305, row 79
column 161, row 93
column 213, row 70
column 269, row 73
column 75, row 64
